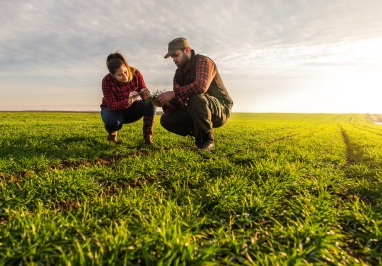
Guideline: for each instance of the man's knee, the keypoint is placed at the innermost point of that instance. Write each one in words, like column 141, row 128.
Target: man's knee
column 168, row 123
column 178, row 122
column 165, row 121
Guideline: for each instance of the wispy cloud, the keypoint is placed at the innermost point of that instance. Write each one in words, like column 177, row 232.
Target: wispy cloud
column 64, row 44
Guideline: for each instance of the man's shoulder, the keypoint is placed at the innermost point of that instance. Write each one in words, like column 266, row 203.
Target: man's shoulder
column 200, row 56
column 203, row 58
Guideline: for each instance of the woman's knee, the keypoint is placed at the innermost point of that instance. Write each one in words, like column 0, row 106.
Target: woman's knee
column 113, row 120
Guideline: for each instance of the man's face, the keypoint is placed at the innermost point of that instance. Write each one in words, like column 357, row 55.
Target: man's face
column 180, row 58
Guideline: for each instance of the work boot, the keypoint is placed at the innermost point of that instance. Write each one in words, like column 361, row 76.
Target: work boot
column 148, row 124
column 205, row 141
column 113, row 136
column 198, row 137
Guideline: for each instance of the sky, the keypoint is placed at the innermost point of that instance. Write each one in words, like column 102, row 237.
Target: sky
column 295, row 56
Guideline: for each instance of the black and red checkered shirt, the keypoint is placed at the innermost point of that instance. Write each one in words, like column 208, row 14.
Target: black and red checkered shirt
column 116, row 94
column 205, row 73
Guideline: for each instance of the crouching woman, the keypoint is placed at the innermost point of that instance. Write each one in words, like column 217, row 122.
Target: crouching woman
column 120, row 103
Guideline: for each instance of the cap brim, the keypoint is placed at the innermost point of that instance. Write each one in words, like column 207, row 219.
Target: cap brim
column 169, row 54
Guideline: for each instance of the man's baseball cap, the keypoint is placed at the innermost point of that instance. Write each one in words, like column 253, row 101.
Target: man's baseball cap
column 176, row 44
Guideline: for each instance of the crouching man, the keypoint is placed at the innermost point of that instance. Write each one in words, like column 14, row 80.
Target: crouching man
column 199, row 101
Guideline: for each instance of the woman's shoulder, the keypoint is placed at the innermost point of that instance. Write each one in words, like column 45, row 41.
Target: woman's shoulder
column 134, row 70
column 108, row 77
column 137, row 72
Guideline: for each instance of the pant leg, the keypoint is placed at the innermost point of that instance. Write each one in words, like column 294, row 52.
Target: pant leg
column 134, row 112
column 220, row 113
column 178, row 121
column 207, row 112
column 113, row 120
column 137, row 110
column 202, row 113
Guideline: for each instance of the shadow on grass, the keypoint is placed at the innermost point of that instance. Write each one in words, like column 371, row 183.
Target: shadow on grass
column 360, row 166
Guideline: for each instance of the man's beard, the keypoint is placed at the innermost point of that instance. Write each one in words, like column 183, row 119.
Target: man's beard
column 182, row 64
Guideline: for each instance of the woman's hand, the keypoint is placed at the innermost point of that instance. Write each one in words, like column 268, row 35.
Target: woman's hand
column 133, row 96
column 144, row 93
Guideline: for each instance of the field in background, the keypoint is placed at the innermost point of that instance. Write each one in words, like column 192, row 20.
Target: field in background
column 278, row 189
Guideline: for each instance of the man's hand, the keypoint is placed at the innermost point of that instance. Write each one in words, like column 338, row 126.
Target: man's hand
column 144, row 93
column 156, row 103
column 165, row 97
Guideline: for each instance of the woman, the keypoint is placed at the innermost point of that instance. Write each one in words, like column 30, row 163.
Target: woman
column 120, row 104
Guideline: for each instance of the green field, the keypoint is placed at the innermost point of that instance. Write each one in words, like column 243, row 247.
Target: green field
column 279, row 189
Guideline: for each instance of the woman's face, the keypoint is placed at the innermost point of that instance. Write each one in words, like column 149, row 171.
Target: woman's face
column 121, row 74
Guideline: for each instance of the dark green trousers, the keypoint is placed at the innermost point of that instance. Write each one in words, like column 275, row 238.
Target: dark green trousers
column 202, row 113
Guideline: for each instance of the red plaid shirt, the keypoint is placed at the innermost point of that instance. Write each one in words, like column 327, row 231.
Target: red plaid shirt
column 205, row 73
column 116, row 94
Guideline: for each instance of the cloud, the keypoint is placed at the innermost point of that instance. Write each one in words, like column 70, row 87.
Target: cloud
column 64, row 44
column 68, row 32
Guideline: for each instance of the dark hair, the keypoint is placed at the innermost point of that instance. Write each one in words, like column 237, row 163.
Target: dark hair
column 115, row 61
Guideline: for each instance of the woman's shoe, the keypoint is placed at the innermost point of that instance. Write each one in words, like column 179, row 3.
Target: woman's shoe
column 148, row 124
column 113, row 136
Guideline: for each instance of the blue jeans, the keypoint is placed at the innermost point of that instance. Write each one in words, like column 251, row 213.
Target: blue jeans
column 115, row 119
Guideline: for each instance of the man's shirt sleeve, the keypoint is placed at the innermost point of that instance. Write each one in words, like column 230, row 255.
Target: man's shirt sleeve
column 205, row 73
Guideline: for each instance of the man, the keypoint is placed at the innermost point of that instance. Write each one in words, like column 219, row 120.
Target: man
column 199, row 101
